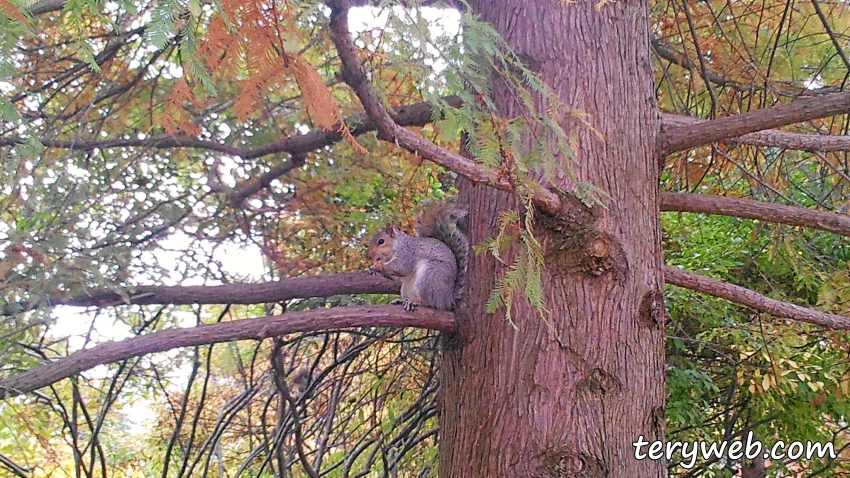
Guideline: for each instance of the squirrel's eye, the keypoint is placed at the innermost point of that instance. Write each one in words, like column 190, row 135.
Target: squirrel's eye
column 380, row 242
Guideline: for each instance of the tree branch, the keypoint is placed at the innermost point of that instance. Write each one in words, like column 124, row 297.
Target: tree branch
column 285, row 398
column 836, row 42
column 45, row 6
column 665, row 51
column 762, row 211
column 771, row 137
column 388, row 130
column 679, row 58
column 247, row 329
column 418, row 114
column 325, row 285
column 253, row 186
column 750, row 298
column 677, row 138
column 15, row 468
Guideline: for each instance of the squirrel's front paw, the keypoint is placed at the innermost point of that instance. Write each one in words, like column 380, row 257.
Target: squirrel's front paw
column 373, row 270
column 408, row 305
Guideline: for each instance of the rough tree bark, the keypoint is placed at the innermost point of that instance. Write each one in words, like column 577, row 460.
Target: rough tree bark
column 570, row 400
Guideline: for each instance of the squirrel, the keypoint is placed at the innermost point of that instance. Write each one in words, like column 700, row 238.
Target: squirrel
column 431, row 265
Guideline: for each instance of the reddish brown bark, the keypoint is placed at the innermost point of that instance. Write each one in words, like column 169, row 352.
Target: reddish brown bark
column 762, row 211
column 571, row 399
column 773, row 138
column 677, row 138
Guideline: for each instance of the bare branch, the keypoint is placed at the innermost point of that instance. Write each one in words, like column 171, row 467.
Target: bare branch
column 771, row 137
column 388, row 130
column 677, row 138
column 263, row 181
column 247, row 329
column 679, row 58
column 286, row 398
column 15, row 468
column 750, row 298
column 762, row 211
column 836, row 42
column 418, row 114
column 665, row 51
column 325, row 285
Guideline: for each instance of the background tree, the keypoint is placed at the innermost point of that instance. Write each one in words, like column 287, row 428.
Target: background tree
column 141, row 141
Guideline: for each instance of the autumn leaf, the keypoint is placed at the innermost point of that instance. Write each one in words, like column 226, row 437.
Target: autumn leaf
column 176, row 117
column 319, row 102
column 245, row 101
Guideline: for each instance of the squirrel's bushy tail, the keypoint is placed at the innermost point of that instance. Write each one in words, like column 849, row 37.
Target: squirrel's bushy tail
column 443, row 221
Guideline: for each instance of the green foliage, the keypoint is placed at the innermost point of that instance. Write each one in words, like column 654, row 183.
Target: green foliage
column 730, row 368
column 523, row 274
column 12, row 32
column 164, row 22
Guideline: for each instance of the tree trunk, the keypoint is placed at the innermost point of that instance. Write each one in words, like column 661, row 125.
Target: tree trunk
column 570, row 400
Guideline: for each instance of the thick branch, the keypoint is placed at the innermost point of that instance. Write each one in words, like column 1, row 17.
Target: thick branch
column 762, row 211
column 326, row 285
column 677, row 138
column 247, row 329
column 771, row 137
column 388, row 130
column 418, row 114
column 742, row 295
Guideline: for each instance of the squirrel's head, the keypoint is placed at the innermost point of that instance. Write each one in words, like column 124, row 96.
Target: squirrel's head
column 381, row 246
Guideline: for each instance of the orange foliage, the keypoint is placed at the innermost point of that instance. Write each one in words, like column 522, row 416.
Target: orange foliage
column 257, row 54
column 175, row 117
column 256, row 58
column 217, row 46
column 243, row 104
column 318, row 100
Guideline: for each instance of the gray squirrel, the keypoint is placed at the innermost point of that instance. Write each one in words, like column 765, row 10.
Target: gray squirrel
column 431, row 265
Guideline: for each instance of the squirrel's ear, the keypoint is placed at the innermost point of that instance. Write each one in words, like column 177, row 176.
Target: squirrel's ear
column 390, row 230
